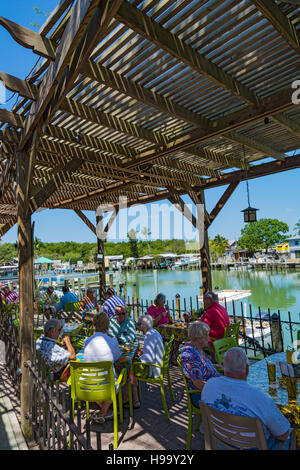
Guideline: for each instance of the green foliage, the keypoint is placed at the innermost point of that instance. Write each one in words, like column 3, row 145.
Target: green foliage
column 217, row 247
column 73, row 252
column 262, row 234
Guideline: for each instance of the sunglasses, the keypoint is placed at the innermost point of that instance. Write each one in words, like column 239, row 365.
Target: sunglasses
column 120, row 313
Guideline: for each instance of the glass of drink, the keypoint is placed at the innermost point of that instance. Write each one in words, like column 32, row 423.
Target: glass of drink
column 271, row 372
column 291, row 388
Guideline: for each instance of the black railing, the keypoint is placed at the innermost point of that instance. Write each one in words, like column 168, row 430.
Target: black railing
column 261, row 333
column 50, row 413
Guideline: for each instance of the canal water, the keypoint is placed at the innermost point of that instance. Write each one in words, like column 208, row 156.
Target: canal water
column 269, row 290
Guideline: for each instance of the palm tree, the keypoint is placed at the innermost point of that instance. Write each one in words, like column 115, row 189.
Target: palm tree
column 147, row 234
column 297, row 227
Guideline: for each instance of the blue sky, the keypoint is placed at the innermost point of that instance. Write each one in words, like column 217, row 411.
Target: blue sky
column 276, row 196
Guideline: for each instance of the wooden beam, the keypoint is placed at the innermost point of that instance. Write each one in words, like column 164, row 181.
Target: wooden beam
column 23, row 87
column 141, row 23
column 222, row 201
column 86, row 27
column 175, row 199
column 280, row 21
column 86, row 220
column 6, row 175
column 58, row 179
column 30, row 39
column 6, row 227
column 255, row 144
column 237, row 120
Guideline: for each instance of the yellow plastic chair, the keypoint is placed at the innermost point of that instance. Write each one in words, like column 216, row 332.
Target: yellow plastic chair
column 141, row 372
column 191, row 408
column 95, row 382
column 233, row 331
column 221, row 346
column 73, row 306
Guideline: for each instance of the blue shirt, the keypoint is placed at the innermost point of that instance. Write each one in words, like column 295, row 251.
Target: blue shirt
column 68, row 297
column 55, row 356
column 125, row 331
column 109, row 306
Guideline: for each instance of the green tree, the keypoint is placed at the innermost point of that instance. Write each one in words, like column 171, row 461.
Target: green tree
column 217, row 247
column 297, row 227
column 147, row 234
column 132, row 235
column 262, row 234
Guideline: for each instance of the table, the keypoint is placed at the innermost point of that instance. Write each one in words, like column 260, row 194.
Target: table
column 258, row 378
column 178, row 329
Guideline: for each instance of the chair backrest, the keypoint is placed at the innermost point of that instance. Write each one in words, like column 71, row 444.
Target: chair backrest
column 233, row 330
column 184, row 379
column 224, row 431
column 72, row 306
column 221, row 346
column 92, row 381
column 166, row 356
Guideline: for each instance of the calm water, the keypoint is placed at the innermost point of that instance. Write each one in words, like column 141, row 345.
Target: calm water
column 274, row 290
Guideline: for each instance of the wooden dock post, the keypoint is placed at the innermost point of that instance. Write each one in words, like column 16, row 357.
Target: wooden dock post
column 177, row 297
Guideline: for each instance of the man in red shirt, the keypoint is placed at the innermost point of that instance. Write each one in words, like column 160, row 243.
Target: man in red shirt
column 215, row 316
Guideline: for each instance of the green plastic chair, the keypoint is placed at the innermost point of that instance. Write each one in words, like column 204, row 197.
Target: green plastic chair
column 191, row 408
column 233, row 331
column 221, row 346
column 73, row 306
column 141, row 372
column 95, row 382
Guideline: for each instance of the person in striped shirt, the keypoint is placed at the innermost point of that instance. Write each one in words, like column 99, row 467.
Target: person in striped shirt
column 9, row 296
column 112, row 301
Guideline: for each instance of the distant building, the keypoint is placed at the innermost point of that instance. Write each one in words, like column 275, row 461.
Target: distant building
column 283, row 248
column 294, row 247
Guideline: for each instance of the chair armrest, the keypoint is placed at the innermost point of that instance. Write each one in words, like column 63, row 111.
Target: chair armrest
column 147, row 364
column 122, row 378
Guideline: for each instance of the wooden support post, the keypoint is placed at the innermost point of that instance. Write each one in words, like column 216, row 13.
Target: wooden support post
column 101, row 263
column 25, row 254
column 135, row 311
column 177, row 306
column 205, row 256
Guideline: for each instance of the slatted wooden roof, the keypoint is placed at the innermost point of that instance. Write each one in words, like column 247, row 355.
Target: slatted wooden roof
column 140, row 98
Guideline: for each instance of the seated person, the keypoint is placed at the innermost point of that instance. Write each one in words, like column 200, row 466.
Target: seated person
column 121, row 326
column 196, row 366
column 112, row 300
column 55, row 356
column 159, row 311
column 153, row 349
column 9, row 296
column 101, row 347
column 68, row 296
column 215, row 316
column 88, row 303
column 49, row 300
column 231, row 394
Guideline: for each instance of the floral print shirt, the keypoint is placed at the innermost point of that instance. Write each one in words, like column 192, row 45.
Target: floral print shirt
column 196, row 365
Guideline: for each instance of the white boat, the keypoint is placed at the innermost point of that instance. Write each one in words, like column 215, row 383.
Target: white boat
column 228, row 295
column 180, row 263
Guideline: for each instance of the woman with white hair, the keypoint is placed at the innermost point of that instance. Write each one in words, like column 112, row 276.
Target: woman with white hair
column 196, row 366
column 153, row 349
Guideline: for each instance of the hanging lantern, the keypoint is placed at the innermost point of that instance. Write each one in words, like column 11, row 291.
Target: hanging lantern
column 250, row 212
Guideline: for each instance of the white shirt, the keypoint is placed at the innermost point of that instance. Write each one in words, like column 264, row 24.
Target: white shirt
column 101, row 347
column 239, row 398
column 153, row 351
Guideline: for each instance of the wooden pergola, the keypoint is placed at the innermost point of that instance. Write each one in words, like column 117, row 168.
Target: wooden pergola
column 147, row 100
